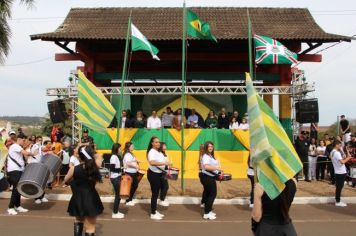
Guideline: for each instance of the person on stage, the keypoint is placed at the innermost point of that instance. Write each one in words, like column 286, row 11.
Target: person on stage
column 155, row 174
column 251, row 177
column 116, row 166
column 131, row 168
column 164, row 188
column 271, row 217
column 210, row 170
column 85, row 204
column 15, row 166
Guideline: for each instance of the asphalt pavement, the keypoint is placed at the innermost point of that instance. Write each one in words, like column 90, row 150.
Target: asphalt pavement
column 51, row 219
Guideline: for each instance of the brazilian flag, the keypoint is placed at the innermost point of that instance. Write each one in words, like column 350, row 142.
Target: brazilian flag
column 198, row 28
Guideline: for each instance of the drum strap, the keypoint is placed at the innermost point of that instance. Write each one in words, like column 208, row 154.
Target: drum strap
column 12, row 159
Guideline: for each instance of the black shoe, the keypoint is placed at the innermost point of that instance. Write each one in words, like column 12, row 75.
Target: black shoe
column 308, row 180
column 78, row 229
column 89, row 234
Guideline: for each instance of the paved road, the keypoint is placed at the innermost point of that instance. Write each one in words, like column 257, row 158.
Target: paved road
column 181, row 220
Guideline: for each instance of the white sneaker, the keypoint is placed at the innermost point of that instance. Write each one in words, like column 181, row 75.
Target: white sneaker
column 161, row 215
column 118, row 215
column 202, row 205
column 340, row 204
column 12, row 211
column 38, row 201
column 44, row 200
column 213, row 213
column 163, row 203
column 156, row 216
column 21, row 209
column 130, row 203
column 251, row 205
column 209, row 216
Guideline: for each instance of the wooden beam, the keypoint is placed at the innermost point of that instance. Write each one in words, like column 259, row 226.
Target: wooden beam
column 68, row 57
column 310, row 57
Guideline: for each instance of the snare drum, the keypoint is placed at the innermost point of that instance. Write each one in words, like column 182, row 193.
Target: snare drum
column 225, row 177
column 140, row 174
column 172, row 173
column 4, row 185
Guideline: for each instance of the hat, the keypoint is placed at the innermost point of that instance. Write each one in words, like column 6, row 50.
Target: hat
column 12, row 132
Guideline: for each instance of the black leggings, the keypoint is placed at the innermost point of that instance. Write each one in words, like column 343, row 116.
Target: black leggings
column 14, row 178
column 164, row 189
column 209, row 184
column 339, row 180
column 156, row 181
column 116, row 185
column 320, row 167
column 265, row 229
column 252, row 180
column 203, row 197
column 134, row 185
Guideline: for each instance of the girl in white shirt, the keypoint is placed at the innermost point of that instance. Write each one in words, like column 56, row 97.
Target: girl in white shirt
column 155, row 174
column 165, row 186
column 115, row 178
column 312, row 159
column 233, row 123
column 244, row 125
column 210, row 169
column 131, row 168
column 321, row 161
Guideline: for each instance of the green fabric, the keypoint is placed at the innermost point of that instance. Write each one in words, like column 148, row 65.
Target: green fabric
column 102, row 141
column 198, row 28
column 136, row 104
column 240, row 104
column 143, row 136
column 211, row 122
column 287, row 125
column 223, row 140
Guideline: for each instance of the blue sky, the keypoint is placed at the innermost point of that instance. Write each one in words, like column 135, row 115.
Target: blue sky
column 23, row 86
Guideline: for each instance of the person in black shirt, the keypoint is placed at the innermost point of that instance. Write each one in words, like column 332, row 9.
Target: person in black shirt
column 302, row 147
column 86, row 139
column 345, row 129
column 223, row 120
column 271, row 217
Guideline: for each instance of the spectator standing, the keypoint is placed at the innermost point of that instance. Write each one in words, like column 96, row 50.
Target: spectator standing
column 234, row 124
column 321, row 161
column 177, row 120
column 223, row 120
column 167, row 118
column 139, row 121
column 211, row 121
column 193, row 119
column 154, row 122
column 312, row 159
column 330, row 166
column 236, row 115
column 86, row 139
column 126, row 122
column 327, row 139
column 66, row 154
column 244, row 125
column 11, row 140
column 302, row 147
column 314, row 128
column 340, row 171
column 345, row 129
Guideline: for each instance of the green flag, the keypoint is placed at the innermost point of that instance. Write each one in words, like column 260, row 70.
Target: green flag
column 198, row 28
column 140, row 42
column 94, row 110
column 271, row 51
column 272, row 153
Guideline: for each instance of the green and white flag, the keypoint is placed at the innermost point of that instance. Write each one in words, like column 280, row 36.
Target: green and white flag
column 271, row 51
column 140, row 43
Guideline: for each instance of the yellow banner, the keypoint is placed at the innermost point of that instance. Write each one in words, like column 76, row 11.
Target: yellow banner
column 189, row 136
column 125, row 134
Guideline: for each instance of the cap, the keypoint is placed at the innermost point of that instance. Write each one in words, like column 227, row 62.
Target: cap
column 12, row 132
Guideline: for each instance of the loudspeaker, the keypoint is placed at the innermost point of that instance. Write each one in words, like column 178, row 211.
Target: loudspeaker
column 307, row 111
column 57, row 111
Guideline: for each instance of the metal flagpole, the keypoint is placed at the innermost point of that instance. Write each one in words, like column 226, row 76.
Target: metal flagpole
column 123, row 77
column 249, row 45
column 182, row 97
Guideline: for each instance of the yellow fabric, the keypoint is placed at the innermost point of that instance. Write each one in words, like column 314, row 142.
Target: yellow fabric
column 243, row 136
column 3, row 156
column 126, row 134
column 190, row 102
column 189, row 136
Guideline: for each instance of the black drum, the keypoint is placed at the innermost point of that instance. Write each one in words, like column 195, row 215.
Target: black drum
column 4, row 185
column 53, row 163
column 33, row 180
column 172, row 173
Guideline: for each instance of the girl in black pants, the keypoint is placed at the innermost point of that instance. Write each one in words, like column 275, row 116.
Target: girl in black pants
column 155, row 174
column 210, row 169
column 115, row 178
column 251, row 177
column 131, row 169
column 201, row 153
column 165, row 186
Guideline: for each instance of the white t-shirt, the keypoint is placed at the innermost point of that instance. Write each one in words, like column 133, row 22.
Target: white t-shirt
column 115, row 160
column 128, row 157
column 74, row 160
column 250, row 170
column 244, row 126
column 154, row 123
column 15, row 152
column 209, row 160
column 65, row 157
column 234, row 125
column 154, row 155
column 338, row 166
column 319, row 150
column 38, row 157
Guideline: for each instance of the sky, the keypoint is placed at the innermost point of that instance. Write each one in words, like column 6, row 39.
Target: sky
column 30, row 68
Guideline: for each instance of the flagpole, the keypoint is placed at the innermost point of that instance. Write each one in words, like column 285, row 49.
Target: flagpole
column 249, row 44
column 182, row 97
column 123, row 77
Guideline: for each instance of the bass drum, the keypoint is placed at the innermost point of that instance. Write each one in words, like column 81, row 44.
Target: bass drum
column 33, row 181
column 53, row 163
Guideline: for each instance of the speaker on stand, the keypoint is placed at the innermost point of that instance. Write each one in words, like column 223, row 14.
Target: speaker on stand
column 57, row 111
column 307, row 111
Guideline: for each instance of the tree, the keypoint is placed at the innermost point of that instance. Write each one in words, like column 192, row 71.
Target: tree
column 5, row 31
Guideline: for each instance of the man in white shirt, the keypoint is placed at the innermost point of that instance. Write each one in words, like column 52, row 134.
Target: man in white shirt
column 193, row 119
column 167, row 118
column 154, row 122
column 36, row 146
column 15, row 167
